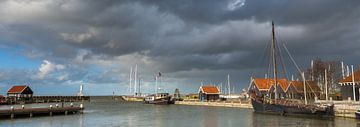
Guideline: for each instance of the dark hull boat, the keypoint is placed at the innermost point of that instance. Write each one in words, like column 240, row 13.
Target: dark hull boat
column 284, row 106
column 160, row 99
column 289, row 108
column 357, row 114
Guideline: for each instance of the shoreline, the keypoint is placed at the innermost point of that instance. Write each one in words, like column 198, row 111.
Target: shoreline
column 234, row 104
column 341, row 110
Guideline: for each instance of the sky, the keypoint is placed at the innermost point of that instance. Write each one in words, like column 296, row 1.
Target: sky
column 54, row 46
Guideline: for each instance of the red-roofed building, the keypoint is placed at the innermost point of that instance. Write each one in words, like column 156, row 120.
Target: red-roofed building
column 296, row 89
column 209, row 92
column 265, row 87
column 346, row 86
column 20, row 93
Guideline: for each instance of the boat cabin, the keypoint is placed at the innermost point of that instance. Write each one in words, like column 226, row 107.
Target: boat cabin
column 209, row 93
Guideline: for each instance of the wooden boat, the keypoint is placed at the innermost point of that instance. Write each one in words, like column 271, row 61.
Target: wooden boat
column 282, row 106
column 357, row 114
column 159, row 98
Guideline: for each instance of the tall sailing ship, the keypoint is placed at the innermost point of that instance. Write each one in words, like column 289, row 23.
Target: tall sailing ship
column 282, row 106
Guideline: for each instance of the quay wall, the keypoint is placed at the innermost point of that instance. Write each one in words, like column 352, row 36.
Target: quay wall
column 341, row 108
column 235, row 104
column 345, row 108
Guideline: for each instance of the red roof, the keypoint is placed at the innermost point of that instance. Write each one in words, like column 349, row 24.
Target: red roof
column 310, row 86
column 283, row 83
column 210, row 89
column 17, row 89
column 266, row 83
column 262, row 83
column 349, row 78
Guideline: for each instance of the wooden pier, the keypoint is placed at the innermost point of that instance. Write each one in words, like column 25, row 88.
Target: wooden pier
column 31, row 112
column 47, row 99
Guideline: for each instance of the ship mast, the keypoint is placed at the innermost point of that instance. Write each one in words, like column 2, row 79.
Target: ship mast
column 273, row 45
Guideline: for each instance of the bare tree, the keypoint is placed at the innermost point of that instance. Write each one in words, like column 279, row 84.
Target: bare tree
column 317, row 73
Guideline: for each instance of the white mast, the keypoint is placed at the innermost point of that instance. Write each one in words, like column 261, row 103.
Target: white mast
column 347, row 70
column 221, row 88
column 81, row 90
column 312, row 70
column 156, row 84
column 228, row 81
column 131, row 72
column 342, row 70
column 233, row 89
column 139, row 89
column 304, row 82
column 135, row 78
column 353, row 81
column 326, row 86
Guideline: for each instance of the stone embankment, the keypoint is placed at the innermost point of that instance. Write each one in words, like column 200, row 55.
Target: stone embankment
column 345, row 109
column 235, row 104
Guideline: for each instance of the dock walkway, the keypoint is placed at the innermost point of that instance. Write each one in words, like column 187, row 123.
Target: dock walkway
column 31, row 112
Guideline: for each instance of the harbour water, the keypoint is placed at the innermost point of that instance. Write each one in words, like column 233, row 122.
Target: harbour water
column 126, row 114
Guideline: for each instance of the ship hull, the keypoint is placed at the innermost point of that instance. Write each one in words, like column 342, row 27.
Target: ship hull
column 291, row 110
column 159, row 102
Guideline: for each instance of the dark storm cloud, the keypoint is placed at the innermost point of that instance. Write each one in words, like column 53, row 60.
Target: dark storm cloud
column 178, row 36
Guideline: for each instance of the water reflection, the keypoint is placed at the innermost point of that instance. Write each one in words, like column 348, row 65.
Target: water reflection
column 138, row 114
column 210, row 117
column 266, row 120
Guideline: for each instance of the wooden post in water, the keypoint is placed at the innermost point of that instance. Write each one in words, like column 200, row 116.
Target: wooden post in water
column 12, row 112
column 81, row 107
column 50, row 111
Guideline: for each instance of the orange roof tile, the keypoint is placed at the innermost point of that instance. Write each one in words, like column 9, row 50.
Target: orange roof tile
column 262, row 83
column 349, row 78
column 310, row 86
column 210, row 89
column 17, row 89
column 266, row 83
column 283, row 83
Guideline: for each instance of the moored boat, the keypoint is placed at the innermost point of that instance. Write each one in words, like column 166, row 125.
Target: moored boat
column 357, row 114
column 159, row 98
column 286, row 107
column 282, row 106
